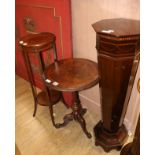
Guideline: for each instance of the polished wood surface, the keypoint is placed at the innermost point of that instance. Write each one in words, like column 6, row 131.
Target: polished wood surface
column 115, row 77
column 43, row 98
column 107, row 140
column 116, row 54
column 72, row 75
column 36, row 135
column 120, row 26
column 38, row 43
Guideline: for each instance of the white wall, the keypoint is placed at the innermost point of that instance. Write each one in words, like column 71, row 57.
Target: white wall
column 133, row 109
column 84, row 14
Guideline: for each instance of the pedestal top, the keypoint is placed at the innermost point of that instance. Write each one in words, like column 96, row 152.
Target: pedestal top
column 118, row 27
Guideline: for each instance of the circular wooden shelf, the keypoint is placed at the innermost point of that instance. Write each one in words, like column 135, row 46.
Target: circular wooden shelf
column 37, row 42
column 72, row 74
column 43, row 100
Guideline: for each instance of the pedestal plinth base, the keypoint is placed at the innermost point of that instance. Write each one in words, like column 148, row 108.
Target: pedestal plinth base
column 109, row 141
column 126, row 149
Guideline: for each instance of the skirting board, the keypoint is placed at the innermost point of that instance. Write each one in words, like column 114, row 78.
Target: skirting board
column 91, row 105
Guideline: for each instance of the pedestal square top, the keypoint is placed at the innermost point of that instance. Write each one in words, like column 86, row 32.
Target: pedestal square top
column 118, row 27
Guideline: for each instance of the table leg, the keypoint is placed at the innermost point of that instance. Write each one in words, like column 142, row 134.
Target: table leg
column 31, row 79
column 77, row 108
column 35, row 107
column 70, row 117
column 56, row 125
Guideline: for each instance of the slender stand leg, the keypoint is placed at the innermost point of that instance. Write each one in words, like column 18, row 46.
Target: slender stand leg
column 31, row 79
column 41, row 63
column 32, row 83
column 47, row 90
column 58, row 125
column 35, row 108
column 78, row 116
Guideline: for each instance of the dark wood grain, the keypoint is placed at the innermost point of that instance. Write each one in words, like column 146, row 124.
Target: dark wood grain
column 108, row 140
column 37, row 43
column 72, row 74
column 116, row 54
column 42, row 98
column 115, row 76
column 122, row 27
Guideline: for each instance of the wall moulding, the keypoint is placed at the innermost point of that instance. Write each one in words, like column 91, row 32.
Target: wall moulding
column 59, row 18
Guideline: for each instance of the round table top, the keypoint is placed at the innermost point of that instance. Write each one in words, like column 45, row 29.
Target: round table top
column 72, row 74
column 38, row 41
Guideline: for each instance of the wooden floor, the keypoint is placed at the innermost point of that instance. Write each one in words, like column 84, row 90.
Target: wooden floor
column 37, row 136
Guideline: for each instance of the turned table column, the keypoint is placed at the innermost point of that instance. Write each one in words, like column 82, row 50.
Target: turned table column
column 117, row 44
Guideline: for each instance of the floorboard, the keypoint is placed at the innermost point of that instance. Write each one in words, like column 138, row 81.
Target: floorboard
column 37, row 136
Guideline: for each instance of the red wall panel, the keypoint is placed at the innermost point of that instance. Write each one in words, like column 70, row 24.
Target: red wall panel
column 43, row 16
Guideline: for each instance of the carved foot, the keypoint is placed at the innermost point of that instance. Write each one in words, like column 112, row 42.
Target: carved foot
column 58, row 125
column 67, row 118
column 83, row 111
column 82, row 122
column 35, row 108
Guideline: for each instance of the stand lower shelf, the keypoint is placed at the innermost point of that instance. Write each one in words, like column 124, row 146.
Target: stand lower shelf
column 43, row 100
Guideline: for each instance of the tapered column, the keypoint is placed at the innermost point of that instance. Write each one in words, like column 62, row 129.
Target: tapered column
column 117, row 44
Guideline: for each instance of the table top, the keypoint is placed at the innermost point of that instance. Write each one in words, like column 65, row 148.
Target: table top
column 73, row 74
column 37, row 41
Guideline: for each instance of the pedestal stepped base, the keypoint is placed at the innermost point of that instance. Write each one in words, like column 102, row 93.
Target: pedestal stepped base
column 108, row 140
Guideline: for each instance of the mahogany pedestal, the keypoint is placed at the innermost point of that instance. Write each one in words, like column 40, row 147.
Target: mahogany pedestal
column 117, row 44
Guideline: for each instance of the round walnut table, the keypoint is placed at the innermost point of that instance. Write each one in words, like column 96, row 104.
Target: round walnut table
column 72, row 75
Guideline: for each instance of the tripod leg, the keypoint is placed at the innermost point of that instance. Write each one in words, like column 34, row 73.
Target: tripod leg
column 78, row 116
